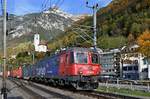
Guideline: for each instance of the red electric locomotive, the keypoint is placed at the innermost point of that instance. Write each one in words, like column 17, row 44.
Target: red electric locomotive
column 76, row 67
column 16, row 73
column 80, row 68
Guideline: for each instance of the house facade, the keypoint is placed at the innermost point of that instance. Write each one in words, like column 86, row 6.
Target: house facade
column 134, row 64
column 126, row 63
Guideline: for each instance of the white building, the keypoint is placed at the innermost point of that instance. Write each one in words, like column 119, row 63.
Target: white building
column 134, row 64
column 39, row 47
column 126, row 63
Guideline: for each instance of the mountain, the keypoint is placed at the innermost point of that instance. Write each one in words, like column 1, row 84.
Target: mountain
column 115, row 23
column 49, row 24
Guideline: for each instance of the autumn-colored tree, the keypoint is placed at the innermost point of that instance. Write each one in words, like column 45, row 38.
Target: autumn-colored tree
column 31, row 47
column 40, row 55
column 144, row 43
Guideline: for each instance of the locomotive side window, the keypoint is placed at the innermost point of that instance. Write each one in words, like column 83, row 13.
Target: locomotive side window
column 71, row 58
column 95, row 58
column 81, row 58
column 67, row 58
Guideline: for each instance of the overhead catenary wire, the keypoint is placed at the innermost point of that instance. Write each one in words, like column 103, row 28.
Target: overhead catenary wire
column 58, row 3
column 1, row 5
column 83, row 32
column 45, row 5
column 50, row 4
column 82, row 37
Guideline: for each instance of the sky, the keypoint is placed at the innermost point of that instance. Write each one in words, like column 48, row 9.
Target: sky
column 75, row 7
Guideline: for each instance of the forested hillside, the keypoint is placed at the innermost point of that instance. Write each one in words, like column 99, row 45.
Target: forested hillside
column 115, row 23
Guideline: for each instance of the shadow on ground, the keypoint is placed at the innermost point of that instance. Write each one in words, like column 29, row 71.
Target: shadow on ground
column 17, row 97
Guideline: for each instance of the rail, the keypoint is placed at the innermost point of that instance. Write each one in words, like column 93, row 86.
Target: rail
column 33, row 94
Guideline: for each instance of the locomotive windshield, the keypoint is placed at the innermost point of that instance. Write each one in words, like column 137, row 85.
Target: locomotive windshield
column 81, row 58
column 95, row 59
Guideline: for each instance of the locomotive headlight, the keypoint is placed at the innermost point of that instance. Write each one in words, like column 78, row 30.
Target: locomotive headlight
column 80, row 72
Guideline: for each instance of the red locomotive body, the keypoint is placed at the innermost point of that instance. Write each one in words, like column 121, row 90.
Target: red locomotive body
column 79, row 63
column 17, row 73
column 81, row 67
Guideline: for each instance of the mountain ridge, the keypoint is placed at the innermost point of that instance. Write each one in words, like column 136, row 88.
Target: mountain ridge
column 49, row 24
column 115, row 23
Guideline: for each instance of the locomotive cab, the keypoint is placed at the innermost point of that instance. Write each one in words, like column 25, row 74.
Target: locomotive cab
column 87, row 64
column 82, row 68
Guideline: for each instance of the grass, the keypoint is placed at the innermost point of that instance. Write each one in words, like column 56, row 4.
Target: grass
column 124, row 91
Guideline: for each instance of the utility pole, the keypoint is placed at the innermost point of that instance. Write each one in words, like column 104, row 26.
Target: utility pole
column 94, row 7
column 33, row 57
column 4, row 90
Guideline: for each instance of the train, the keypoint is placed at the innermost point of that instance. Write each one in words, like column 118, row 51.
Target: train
column 76, row 67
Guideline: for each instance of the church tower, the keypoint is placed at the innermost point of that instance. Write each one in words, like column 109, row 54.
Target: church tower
column 36, row 41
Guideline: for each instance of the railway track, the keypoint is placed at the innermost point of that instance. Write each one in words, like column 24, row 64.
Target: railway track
column 30, row 92
column 58, row 95
column 90, row 94
column 22, row 84
column 103, row 95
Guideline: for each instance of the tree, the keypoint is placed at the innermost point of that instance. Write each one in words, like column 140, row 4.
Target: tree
column 144, row 43
column 40, row 55
column 136, row 28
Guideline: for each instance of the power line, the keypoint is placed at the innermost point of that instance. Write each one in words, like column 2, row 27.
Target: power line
column 49, row 4
column 44, row 5
column 82, row 37
column 58, row 3
column 83, row 32
column 2, row 6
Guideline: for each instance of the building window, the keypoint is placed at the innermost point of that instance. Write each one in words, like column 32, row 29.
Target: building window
column 136, row 68
column 124, row 68
column 145, row 70
column 144, row 61
column 129, row 68
column 129, row 76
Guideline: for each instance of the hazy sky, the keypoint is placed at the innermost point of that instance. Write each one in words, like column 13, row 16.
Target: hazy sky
column 75, row 7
